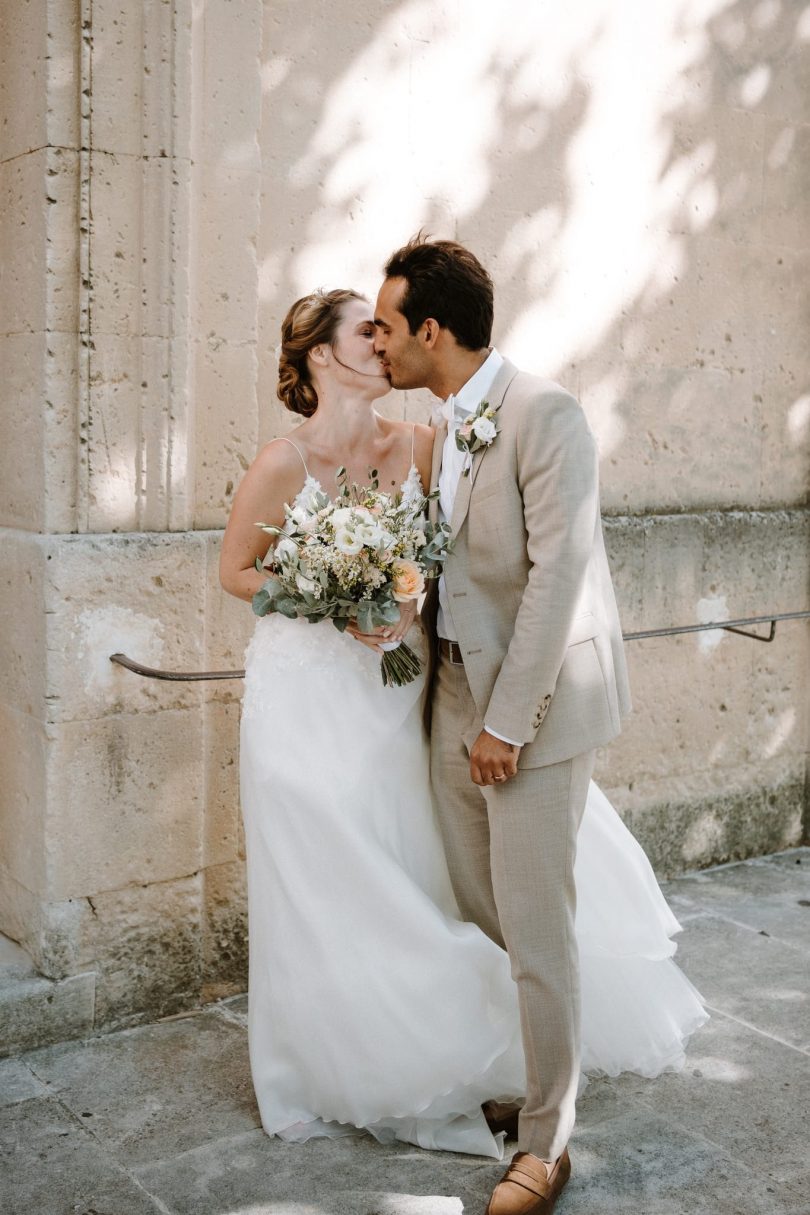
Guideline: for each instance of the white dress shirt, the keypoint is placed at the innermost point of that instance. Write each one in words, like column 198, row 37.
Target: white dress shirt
column 465, row 402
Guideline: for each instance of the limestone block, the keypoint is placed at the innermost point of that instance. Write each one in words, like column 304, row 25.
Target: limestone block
column 23, row 189
column 22, row 480
column 119, row 194
column 22, row 639
column 765, row 69
column 35, row 1011
column 673, row 564
column 665, row 459
column 786, row 186
column 778, row 721
column 138, row 594
column 625, row 544
column 226, row 421
column 229, row 626
column 230, row 85
column 118, row 76
column 225, row 936
column 38, row 458
column 23, row 748
column 23, row 78
column 38, row 260
column 165, row 261
column 63, row 435
column 221, row 757
column 686, row 325
column 144, row 943
column 691, row 823
column 226, row 269
column 125, row 801
column 785, row 464
column 712, row 706
column 61, row 197
column 52, row 935
column 757, row 561
column 783, row 306
column 19, row 911
column 113, row 435
column 720, row 164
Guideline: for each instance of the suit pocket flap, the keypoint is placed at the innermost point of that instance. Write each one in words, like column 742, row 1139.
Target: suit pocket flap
column 583, row 629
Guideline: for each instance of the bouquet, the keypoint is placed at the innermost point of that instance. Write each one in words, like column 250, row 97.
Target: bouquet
column 354, row 559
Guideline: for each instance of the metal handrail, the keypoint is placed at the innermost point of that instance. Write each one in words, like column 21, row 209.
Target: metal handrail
column 731, row 626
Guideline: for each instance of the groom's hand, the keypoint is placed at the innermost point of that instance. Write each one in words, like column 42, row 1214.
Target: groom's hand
column 492, row 762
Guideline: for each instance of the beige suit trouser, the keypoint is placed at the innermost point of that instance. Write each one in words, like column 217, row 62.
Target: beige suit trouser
column 510, row 850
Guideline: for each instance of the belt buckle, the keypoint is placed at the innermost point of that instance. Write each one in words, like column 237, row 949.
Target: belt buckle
column 454, row 653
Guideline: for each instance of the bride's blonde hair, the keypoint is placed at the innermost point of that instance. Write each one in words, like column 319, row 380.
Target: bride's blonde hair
column 310, row 321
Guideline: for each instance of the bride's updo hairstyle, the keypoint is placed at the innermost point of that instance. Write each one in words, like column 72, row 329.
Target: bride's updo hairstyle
column 311, row 321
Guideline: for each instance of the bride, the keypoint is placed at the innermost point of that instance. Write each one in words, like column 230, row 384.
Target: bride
column 372, row 1006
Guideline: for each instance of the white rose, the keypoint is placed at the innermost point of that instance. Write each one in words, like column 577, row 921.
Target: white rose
column 346, row 541
column 299, row 514
column 484, row 429
column 286, row 550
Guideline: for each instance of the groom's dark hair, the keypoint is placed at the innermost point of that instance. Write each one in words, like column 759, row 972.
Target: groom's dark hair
column 448, row 283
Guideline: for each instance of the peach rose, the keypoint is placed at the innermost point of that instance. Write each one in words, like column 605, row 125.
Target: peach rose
column 409, row 581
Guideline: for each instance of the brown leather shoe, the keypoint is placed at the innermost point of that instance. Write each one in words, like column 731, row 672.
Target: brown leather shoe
column 502, row 1118
column 530, row 1186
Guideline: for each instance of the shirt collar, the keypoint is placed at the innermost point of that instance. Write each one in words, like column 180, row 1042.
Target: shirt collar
column 471, row 394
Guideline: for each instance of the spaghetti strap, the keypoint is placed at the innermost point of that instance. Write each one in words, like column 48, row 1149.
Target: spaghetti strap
column 284, row 439
column 413, row 442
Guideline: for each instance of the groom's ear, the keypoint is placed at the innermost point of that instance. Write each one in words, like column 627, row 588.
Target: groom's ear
column 429, row 332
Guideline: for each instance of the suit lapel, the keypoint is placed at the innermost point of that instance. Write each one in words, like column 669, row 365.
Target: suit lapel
column 438, row 445
column 495, row 396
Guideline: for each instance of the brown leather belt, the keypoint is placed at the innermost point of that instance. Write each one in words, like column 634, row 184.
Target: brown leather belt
column 452, row 651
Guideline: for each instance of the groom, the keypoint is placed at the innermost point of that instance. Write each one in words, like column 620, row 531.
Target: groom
column 531, row 675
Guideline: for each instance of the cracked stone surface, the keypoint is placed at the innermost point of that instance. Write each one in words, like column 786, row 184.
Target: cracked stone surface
column 161, row 1118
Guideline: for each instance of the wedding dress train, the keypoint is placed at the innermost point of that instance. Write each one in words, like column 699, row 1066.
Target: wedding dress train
column 371, row 1005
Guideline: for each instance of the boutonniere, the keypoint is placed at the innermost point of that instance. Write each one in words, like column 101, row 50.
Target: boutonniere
column 479, row 429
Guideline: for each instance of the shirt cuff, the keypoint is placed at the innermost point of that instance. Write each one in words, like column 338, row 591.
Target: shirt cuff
column 501, row 738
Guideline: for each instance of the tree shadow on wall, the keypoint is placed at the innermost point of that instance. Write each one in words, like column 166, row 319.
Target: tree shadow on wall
column 646, row 243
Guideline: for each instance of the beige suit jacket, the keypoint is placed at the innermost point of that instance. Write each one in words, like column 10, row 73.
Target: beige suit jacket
column 528, row 582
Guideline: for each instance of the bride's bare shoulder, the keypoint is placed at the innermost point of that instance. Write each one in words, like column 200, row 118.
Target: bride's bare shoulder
column 281, row 456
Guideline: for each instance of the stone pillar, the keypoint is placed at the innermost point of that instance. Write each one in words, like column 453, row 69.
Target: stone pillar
column 130, row 191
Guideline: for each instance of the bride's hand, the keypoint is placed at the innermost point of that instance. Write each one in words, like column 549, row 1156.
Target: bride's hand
column 407, row 615
column 387, row 632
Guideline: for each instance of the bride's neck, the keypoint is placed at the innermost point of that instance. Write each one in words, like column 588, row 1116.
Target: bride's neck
column 343, row 422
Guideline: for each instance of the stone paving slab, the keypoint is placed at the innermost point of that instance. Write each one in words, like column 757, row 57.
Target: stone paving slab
column 162, row 1118
column 18, row 1082
column 757, row 979
column 157, row 1090
column 50, row 1165
column 741, row 1090
column 768, row 898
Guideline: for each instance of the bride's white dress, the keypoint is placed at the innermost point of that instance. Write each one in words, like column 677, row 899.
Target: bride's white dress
column 371, row 1005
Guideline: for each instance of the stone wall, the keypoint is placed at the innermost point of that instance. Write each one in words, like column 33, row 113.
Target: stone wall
column 172, row 176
